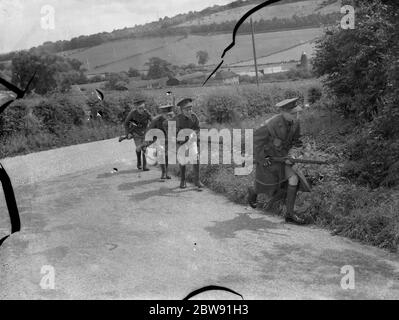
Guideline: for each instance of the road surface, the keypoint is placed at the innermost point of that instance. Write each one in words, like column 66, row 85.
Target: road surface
column 126, row 235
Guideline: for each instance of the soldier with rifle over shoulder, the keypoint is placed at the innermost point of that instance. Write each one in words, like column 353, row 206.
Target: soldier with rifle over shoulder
column 274, row 173
column 136, row 124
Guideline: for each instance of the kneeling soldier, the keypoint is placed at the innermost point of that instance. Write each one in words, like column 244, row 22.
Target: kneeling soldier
column 275, row 139
column 135, row 126
column 188, row 120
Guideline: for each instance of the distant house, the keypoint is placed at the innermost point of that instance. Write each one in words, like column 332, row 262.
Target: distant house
column 191, row 76
column 227, row 77
column 155, row 83
column 247, row 73
column 275, row 69
column 99, row 76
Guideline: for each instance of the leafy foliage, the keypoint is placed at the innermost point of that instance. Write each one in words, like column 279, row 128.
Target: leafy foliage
column 202, row 57
column 361, row 68
column 52, row 72
column 158, row 68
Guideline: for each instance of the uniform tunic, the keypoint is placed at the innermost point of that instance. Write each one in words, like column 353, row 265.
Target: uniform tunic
column 136, row 124
column 183, row 122
column 274, row 139
column 192, row 122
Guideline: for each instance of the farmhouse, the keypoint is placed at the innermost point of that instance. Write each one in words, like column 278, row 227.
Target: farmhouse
column 227, row 77
column 154, row 83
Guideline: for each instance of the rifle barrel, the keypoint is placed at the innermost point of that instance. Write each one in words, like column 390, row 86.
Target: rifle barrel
column 283, row 159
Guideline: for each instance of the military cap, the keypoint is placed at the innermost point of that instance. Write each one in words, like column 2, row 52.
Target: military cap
column 137, row 102
column 287, row 104
column 166, row 109
column 187, row 102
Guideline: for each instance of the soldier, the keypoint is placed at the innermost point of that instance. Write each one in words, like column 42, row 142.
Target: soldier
column 136, row 124
column 275, row 139
column 188, row 120
column 161, row 122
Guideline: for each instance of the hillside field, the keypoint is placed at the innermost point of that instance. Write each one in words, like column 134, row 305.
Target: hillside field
column 300, row 9
column 121, row 55
column 198, row 93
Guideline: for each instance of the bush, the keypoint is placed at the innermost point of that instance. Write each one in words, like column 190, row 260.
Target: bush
column 258, row 102
column 223, row 107
column 372, row 161
column 58, row 114
column 13, row 119
column 314, row 94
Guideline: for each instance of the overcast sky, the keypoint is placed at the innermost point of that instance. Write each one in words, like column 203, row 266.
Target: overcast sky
column 21, row 20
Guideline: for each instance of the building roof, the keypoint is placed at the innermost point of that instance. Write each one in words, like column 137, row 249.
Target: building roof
column 190, row 76
column 225, row 74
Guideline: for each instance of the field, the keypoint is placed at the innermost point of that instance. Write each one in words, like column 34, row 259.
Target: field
column 299, row 9
column 198, row 92
column 286, row 55
column 121, row 55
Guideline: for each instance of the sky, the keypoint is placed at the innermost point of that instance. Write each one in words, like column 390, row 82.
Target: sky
column 28, row 23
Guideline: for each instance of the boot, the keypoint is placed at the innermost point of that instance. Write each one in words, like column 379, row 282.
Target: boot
column 183, row 177
column 166, row 173
column 138, row 154
column 166, row 168
column 291, row 216
column 252, row 197
column 197, row 181
column 145, row 163
column 163, row 169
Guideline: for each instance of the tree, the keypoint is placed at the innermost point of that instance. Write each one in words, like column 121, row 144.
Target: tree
column 158, row 68
column 133, row 72
column 356, row 62
column 117, row 81
column 360, row 67
column 304, row 61
column 202, row 57
column 52, row 71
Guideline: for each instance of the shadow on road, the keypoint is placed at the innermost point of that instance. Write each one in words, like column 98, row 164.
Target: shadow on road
column 139, row 183
column 227, row 229
column 161, row 192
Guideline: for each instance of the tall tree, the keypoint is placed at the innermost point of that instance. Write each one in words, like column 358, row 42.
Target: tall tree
column 202, row 57
column 356, row 62
column 158, row 68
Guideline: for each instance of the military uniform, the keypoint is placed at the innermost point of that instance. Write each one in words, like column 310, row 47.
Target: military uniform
column 188, row 122
column 274, row 139
column 136, row 124
column 161, row 122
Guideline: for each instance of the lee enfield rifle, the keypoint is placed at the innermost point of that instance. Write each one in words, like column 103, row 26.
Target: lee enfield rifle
column 294, row 160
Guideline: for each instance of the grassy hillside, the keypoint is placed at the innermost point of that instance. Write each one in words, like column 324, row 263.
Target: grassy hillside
column 121, row 55
column 285, row 55
column 302, row 8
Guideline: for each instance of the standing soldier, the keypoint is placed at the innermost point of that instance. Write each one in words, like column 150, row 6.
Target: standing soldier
column 161, row 122
column 188, row 120
column 136, row 124
column 275, row 139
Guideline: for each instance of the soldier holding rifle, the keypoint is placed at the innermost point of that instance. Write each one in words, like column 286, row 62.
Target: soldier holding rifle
column 161, row 122
column 187, row 119
column 274, row 173
column 136, row 124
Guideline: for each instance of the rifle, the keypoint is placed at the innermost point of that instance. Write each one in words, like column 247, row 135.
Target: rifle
column 121, row 138
column 294, row 160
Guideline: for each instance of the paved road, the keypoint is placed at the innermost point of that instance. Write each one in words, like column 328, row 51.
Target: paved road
column 128, row 236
